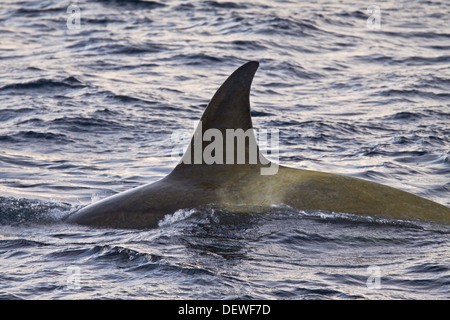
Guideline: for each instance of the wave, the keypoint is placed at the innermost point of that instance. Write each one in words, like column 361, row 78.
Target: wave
column 35, row 12
column 288, row 26
column 8, row 114
column 129, row 99
column 220, row 220
column 198, row 59
column 44, row 83
column 19, row 211
column 418, row 34
column 412, row 93
column 135, row 4
column 224, row 5
column 28, row 136
column 383, row 59
column 86, row 124
column 178, row 215
column 12, row 244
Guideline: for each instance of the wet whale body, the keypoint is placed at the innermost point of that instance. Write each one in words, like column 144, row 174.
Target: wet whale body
column 221, row 172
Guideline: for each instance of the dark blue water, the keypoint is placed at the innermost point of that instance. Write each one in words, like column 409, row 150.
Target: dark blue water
column 88, row 112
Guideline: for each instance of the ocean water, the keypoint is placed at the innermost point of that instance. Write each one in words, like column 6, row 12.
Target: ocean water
column 92, row 91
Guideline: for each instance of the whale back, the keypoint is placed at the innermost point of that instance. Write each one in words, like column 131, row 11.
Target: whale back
column 234, row 179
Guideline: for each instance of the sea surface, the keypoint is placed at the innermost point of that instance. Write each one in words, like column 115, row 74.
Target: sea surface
column 91, row 93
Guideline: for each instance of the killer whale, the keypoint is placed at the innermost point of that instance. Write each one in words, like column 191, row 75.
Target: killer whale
column 239, row 184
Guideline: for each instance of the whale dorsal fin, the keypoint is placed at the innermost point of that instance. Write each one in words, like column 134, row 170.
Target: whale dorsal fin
column 227, row 113
column 229, row 108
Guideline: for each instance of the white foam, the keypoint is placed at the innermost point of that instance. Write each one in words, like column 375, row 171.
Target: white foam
column 175, row 217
